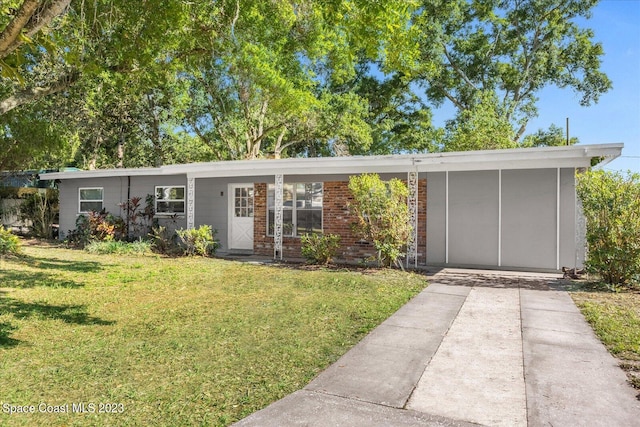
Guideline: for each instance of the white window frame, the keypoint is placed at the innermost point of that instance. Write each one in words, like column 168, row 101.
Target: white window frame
column 183, row 200
column 80, row 200
column 294, row 209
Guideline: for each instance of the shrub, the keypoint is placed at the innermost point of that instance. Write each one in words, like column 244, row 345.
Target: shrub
column 163, row 241
column 80, row 236
column 382, row 215
column 198, row 241
column 41, row 210
column 9, row 242
column 118, row 247
column 100, row 226
column 319, row 248
column 611, row 205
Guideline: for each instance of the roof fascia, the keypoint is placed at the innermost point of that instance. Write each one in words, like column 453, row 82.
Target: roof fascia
column 518, row 158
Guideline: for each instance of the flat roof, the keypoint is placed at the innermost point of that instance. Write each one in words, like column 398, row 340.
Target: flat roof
column 573, row 156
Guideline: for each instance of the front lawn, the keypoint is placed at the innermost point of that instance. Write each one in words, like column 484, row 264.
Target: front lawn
column 173, row 341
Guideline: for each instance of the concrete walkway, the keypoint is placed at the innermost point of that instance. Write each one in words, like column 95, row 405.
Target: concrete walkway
column 474, row 348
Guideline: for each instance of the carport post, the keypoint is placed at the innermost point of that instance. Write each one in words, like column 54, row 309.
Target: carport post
column 277, row 225
column 412, row 202
column 191, row 202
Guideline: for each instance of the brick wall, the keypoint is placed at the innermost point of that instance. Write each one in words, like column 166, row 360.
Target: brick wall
column 336, row 220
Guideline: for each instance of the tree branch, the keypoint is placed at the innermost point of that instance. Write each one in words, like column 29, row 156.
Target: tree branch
column 456, row 68
column 10, row 37
column 31, row 20
column 44, row 18
column 32, row 94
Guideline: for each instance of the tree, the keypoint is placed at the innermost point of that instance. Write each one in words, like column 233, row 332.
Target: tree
column 263, row 94
column 382, row 215
column 23, row 24
column 552, row 137
column 480, row 127
column 80, row 44
column 512, row 49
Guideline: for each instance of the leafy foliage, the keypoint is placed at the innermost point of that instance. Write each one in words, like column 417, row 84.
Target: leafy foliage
column 115, row 83
column 552, row 137
column 41, row 211
column 319, row 248
column 138, row 219
column 9, row 242
column 164, row 241
column 96, row 226
column 382, row 215
column 611, row 205
column 509, row 49
column 198, row 241
column 480, row 127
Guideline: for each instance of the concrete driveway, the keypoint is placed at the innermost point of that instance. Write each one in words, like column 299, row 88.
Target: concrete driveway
column 474, row 348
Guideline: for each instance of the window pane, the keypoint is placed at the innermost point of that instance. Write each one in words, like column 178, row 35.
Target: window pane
column 287, row 223
column 170, row 193
column 177, row 193
column 316, row 197
column 309, row 221
column 170, row 207
column 287, row 195
column 271, row 196
column 90, row 206
column 91, row 194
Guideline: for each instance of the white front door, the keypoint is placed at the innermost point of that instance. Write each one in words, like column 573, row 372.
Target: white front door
column 241, row 216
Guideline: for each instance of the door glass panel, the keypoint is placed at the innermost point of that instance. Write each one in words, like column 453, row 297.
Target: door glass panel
column 243, row 202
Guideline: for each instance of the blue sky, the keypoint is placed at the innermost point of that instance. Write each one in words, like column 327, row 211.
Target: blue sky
column 616, row 117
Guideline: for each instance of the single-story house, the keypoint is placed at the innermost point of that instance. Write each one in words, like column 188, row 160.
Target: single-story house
column 509, row 209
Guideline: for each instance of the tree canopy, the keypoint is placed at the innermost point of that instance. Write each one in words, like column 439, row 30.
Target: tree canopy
column 120, row 84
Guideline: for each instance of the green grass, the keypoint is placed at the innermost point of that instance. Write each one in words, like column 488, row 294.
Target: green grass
column 117, row 247
column 615, row 318
column 176, row 341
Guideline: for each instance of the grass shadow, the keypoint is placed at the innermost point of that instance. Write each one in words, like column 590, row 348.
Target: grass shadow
column 27, row 279
column 44, row 277
column 5, row 340
column 69, row 313
column 62, row 265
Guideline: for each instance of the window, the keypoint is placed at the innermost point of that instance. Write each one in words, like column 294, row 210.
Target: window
column 243, row 199
column 170, row 200
column 90, row 199
column 301, row 210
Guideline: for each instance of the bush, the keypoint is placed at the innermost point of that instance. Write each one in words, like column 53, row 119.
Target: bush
column 198, row 241
column 382, row 215
column 96, row 226
column 319, row 248
column 41, row 210
column 611, row 205
column 118, row 247
column 164, row 241
column 9, row 242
